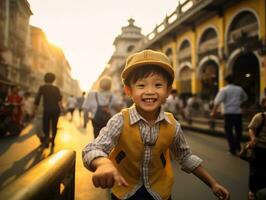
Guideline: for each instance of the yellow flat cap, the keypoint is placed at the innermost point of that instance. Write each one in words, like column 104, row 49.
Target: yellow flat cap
column 145, row 58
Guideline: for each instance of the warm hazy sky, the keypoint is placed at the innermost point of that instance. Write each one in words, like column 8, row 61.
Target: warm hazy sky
column 86, row 29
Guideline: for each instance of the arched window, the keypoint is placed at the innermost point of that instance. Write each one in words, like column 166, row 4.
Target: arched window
column 130, row 48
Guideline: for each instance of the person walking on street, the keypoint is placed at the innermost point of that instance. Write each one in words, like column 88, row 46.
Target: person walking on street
column 71, row 105
column 257, row 167
column 131, row 155
column 16, row 101
column 192, row 108
column 52, row 106
column 232, row 97
column 80, row 101
column 173, row 105
column 102, row 98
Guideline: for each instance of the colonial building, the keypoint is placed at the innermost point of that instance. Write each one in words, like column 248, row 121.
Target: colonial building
column 208, row 39
column 46, row 57
column 127, row 42
column 14, row 40
column 25, row 53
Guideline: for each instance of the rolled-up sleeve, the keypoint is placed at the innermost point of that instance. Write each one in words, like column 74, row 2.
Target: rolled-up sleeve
column 182, row 152
column 105, row 142
column 219, row 97
column 255, row 122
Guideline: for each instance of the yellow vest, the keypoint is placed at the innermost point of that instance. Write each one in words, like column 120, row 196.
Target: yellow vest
column 128, row 153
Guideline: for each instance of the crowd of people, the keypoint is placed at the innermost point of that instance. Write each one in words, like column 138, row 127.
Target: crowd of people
column 15, row 111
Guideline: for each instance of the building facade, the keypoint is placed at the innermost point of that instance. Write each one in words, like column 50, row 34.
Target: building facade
column 208, row 39
column 14, row 40
column 25, row 53
column 125, row 43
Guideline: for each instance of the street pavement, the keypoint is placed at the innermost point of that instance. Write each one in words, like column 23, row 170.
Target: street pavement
column 20, row 153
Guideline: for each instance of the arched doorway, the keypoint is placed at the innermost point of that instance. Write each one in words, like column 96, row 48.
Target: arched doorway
column 169, row 53
column 185, row 82
column 247, row 75
column 209, row 80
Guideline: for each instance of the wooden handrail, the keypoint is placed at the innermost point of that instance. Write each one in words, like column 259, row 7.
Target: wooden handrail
column 52, row 178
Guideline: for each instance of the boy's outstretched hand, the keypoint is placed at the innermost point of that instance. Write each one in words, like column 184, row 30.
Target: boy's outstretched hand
column 220, row 192
column 106, row 174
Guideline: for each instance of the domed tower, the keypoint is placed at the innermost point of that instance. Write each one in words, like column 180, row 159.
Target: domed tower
column 125, row 44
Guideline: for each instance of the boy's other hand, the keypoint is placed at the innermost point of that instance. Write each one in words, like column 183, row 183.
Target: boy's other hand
column 106, row 174
column 221, row 192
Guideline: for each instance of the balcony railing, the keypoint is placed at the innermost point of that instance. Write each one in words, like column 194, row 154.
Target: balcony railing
column 182, row 8
column 51, row 179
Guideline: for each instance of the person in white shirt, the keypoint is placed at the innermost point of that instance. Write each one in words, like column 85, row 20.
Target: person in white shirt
column 71, row 105
column 232, row 97
column 173, row 105
column 105, row 97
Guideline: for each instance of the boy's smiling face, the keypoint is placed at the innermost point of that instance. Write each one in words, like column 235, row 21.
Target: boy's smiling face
column 149, row 93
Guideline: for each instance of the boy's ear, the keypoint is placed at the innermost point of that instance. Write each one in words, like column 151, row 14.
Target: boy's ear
column 169, row 89
column 127, row 90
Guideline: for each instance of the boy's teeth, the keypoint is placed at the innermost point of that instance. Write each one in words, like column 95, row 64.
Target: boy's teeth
column 148, row 100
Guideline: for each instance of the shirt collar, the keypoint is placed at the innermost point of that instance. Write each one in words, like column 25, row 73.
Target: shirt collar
column 135, row 117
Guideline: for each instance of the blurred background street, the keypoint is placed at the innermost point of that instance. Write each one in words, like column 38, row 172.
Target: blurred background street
column 80, row 42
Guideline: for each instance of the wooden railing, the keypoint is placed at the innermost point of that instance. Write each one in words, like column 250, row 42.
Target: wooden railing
column 182, row 8
column 51, row 179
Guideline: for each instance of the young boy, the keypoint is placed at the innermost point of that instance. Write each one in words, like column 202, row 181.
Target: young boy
column 132, row 153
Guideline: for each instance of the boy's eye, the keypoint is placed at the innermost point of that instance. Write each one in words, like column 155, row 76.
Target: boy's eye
column 140, row 85
column 158, row 84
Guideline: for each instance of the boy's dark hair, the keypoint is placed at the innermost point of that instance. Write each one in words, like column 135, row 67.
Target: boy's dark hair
column 229, row 78
column 49, row 77
column 144, row 72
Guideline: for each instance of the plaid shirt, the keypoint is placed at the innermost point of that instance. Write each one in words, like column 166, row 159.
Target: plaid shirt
column 109, row 135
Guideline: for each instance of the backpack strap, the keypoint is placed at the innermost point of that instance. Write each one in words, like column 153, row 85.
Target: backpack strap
column 261, row 125
column 97, row 100
column 96, row 97
column 110, row 99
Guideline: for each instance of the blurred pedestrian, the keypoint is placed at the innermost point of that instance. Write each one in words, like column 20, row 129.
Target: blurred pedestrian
column 27, row 107
column 71, row 105
column 232, row 97
column 13, row 121
column 174, row 105
column 103, row 97
column 37, row 123
column 15, row 100
column 80, row 101
column 52, row 106
column 192, row 108
column 257, row 167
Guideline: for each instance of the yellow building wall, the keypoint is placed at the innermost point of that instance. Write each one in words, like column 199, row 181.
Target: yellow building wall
column 190, row 36
column 216, row 23
column 172, row 45
column 221, row 25
column 259, row 7
column 251, row 5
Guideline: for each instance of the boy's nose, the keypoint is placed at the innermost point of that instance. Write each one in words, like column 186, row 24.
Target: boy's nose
column 149, row 90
